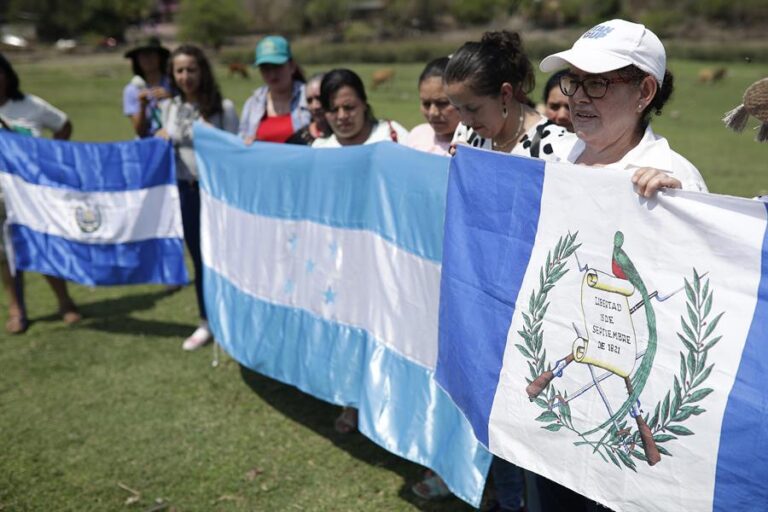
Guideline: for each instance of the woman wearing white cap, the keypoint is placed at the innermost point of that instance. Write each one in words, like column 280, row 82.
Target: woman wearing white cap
column 278, row 109
column 617, row 79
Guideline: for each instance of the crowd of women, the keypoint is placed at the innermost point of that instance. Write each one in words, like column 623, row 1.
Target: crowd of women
column 596, row 111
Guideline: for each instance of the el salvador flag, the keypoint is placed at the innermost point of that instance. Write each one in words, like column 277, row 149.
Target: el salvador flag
column 322, row 270
column 613, row 344
column 93, row 213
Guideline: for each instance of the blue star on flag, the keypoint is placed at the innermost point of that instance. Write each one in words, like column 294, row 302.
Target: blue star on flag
column 330, row 295
column 309, row 266
column 292, row 241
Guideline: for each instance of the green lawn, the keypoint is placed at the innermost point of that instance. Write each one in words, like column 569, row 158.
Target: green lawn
column 115, row 403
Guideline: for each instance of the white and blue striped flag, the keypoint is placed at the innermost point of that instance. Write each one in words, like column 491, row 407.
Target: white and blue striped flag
column 93, row 213
column 322, row 270
column 616, row 345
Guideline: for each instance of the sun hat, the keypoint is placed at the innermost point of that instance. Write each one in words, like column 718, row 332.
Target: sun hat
column 149, row 44
column 272, row 50
column 613, row 45
column 755, row 104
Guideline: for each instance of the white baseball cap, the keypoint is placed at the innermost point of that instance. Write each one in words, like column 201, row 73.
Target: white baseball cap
column 613, row 45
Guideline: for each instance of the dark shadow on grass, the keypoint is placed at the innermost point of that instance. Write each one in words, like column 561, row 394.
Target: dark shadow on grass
column 114, row 306
column 318, row 416
column 112, row 315
column 136, row 326
column 124, row 305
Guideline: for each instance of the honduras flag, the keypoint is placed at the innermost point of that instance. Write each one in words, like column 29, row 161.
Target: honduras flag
column 322, row 270
column 96, row 214
column 613, row 344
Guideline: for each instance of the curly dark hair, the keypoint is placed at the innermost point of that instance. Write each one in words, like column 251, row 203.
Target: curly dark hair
column 12, row 87
column 209, row 95
column 499, row 57
column 663, row 93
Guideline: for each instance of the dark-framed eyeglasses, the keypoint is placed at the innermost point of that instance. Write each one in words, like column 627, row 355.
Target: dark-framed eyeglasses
column 595, row 87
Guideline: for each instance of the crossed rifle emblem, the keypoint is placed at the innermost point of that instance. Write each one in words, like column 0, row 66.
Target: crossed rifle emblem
column 609, row 342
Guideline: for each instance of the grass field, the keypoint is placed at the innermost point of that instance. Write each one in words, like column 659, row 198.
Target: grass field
column 114, row 404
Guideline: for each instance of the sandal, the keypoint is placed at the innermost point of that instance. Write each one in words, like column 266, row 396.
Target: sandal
column 346, row 423
column 16, row 324
column 70, row 314
column 431, row 488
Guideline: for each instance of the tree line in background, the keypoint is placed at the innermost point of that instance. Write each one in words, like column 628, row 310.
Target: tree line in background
column 212, row 22
column 57, row 19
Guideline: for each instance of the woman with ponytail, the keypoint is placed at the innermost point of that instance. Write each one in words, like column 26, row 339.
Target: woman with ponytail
column 488, row 82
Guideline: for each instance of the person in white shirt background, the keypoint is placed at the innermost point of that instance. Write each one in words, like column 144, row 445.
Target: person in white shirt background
column 29, row 115
column 150, row 85
column 351, row 119
column 349, row 115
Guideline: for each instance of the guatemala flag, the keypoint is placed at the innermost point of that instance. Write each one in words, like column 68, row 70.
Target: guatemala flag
column 613, row 344
column 322, row 270
column 93, row 213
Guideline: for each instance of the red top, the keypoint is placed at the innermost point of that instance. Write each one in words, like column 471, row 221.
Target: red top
column 275, row 129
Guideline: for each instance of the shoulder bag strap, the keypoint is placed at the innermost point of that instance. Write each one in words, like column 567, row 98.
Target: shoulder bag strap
column 392, row 132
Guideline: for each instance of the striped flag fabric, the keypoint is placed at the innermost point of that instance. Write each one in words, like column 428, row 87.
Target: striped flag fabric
column 322, row 270
column 92, row 213
column 612, row 344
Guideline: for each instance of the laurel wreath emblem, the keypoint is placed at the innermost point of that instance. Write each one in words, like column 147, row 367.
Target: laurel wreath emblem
column 620, row 444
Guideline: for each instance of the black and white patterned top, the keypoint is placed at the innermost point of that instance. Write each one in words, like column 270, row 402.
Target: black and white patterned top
column 553, row 142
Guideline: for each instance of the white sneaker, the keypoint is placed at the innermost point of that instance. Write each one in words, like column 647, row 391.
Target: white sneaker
column 201, row 336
